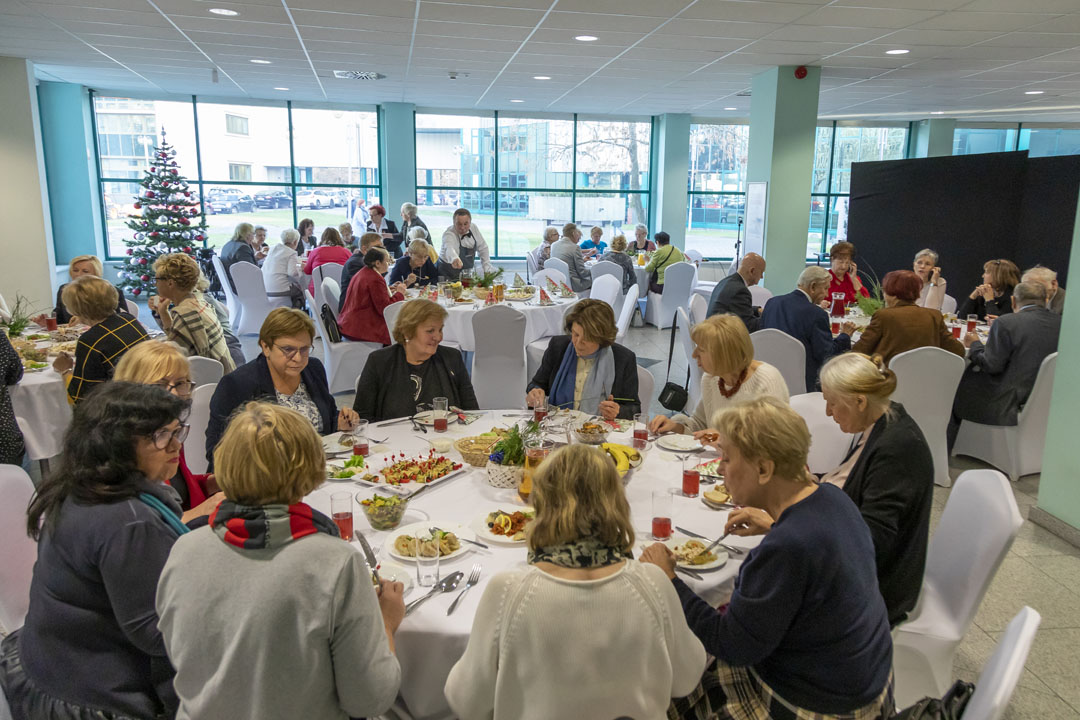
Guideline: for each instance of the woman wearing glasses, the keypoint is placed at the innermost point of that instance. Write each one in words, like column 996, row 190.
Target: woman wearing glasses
column 285, row 374
column 104, row 523
column 185, row 316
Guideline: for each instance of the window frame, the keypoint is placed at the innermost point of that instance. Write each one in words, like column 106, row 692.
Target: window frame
column 237, row 133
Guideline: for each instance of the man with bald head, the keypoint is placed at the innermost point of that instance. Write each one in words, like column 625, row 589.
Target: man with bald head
column 732, row 294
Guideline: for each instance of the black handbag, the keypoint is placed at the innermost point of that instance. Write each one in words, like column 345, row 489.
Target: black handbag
column 950, row 707
column 330, row 323
column 674, row 396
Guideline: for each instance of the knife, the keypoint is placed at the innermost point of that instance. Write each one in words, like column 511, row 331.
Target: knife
column 369, row 554
column 392, row 422
column 699, row 536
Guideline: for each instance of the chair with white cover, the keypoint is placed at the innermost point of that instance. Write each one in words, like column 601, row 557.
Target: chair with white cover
column 530, row 264
column 540, row 279
column 759, row 295
column 626, row 313
column 1016, row 450
column 344, row 360
column 251, row 291
column 976, row 529
column 1002, row 671
column 926, row 380
column 606, row 267
column 608, row 289
column 498, row 366
column 232, row 303
column 694, row 391
column 694, row 256
column 331, row 291
column 390, row 313
column 17, row 551
column 559, row 265
column 132, row 308
column 829, row 445
column 948, row 305
column 679, row 282
column 198, row 420
column 205, row 371
column 784, row 353
column 699, row 308
column 327, row 270
column 645, row 386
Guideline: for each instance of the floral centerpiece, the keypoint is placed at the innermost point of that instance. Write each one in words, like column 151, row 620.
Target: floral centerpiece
column 506, row 463
column 19, row 319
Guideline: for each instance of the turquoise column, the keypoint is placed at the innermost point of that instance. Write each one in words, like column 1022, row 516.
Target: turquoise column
column 783, row 119
column 397, row 169
column 70, row 169
column 670, row 176
column 934, row 138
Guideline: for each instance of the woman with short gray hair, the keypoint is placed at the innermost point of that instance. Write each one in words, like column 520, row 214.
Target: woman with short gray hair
column 409, row 221
column 933, row 285
column 281, row 269
column 641, row 243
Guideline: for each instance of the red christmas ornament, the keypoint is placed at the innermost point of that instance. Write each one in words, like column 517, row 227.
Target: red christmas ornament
column 138, row 206
column 143, row 261
column 175, row 171
column 187, row 249
column 130, row 251
column 187, row 194
column 145, row 278
column 184, row 221
column 150, row 194
column 136, row 291
column 154, row 234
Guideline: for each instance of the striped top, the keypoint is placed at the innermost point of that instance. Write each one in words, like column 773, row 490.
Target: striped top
column 196, row 329
column 98, row 351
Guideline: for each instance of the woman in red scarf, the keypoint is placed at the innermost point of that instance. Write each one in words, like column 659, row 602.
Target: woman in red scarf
column 845, row 275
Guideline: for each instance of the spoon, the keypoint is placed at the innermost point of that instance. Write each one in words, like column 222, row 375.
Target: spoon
column 447, row 584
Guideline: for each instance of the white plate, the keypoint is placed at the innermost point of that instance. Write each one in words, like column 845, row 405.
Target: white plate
column 484, row 534
column 396, row 573
column 421, row 528
column 721, row 554
column 679, row 443
column 332, row 447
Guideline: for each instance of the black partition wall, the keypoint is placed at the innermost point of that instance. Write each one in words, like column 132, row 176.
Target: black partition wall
column 969, row 208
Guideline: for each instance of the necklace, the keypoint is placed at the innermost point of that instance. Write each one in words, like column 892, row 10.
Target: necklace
column 722, row 387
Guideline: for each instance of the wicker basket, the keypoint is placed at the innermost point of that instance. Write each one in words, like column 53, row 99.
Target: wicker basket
column 475, row 450
column 504, row 476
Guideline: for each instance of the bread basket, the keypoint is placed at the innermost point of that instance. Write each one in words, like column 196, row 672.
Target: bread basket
column 475, row 449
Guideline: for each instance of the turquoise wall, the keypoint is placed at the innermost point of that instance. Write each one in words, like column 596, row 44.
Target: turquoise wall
column 397, row 156
column 673, row 165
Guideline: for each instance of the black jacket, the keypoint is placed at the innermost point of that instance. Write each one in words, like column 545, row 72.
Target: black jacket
column 1000, row 305
column 385, row 389
column 63, row 317
column 425, row 275
column 892, row 483
column 808, row 323
column 352, row 266
column 393, row 245
column 625, row 385
column 252, row 381
column 731, row 295
column 403, row 235
column 233, row 252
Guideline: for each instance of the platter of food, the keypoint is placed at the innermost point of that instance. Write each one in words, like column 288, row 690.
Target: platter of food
column 520, row 294
column 505, row 527
column 63, row 347
column 688, row 553
column 399, row 469
column 679, row 443
column 717, row 497
column 447, row 539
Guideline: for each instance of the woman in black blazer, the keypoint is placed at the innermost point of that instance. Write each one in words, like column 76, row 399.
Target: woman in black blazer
column 994, row 295
column 379, row 224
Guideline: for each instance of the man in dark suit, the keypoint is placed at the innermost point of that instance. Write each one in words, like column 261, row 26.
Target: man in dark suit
column 732, row 294
column 1002, row 373
column 800, row 315
column 1055, row 294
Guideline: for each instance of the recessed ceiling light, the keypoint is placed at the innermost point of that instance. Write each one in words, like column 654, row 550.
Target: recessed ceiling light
column 731, row 108
column 541, row 77
column 938, row 112
column 224, row 11
column 281, row 88
column 897, row 52
column 261, row 62
column 1034, row 92
column 517, row 101
column 586, row 38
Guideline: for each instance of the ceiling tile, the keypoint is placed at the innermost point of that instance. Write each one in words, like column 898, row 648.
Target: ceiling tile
column 749, row 11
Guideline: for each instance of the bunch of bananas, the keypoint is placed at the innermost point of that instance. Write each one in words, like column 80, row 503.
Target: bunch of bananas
column 624, row 456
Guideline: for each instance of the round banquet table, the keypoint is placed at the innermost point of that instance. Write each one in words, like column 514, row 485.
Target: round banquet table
column 540, row 321
column 41, row 406
column 429, row 642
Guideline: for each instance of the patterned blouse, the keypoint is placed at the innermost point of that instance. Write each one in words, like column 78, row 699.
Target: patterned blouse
column 98, row 351
column 196, row 329
column 11, row 372
column 301, row 402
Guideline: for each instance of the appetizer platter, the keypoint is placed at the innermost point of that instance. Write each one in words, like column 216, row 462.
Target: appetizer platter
column 447, row 539
column 688, row 553
column 506, row 527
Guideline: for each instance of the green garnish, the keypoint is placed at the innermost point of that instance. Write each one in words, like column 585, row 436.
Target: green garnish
column 355, row 461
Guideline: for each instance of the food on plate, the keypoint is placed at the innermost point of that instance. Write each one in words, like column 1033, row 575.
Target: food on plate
column 384, row 512
column 510, row 525
column 462, row 300
column 346, row 440
column 691, row 553
column 352, row 466
column 37, row 336
column 624, row 457
column 718, row 494
column 65, row 333
column 441, row 542
column 707, row 438
column 34, row 366
column 420, row 470
column 520, row 293
column 592, row 433
column 63, row 347
column 710, row 468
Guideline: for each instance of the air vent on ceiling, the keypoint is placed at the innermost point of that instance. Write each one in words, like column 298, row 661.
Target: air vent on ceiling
column 358, row 75
column 744, row 93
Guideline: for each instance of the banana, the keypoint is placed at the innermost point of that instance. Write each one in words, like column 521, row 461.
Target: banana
column 620, row 455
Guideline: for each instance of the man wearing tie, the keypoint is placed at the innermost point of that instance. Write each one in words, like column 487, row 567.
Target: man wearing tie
column 461, row 243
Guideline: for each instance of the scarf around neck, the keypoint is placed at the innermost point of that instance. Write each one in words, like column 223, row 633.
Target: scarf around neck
column 585, row 553
column 598, row 382
column 258, row 527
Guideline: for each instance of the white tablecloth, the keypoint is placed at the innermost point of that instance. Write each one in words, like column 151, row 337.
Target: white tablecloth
column 42, row 409
column 540, row 321
column 429, row 642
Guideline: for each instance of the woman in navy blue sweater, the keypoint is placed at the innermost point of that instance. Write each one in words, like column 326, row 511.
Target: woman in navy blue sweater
column 806, row 630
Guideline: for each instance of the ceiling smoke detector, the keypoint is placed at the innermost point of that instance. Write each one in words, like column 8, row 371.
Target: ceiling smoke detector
column 454, row 75
column 358, row 75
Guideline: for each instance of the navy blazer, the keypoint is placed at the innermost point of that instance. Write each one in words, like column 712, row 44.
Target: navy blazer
column 731, row 295
column 426, row 274
column 252, row 381
column 809, row 324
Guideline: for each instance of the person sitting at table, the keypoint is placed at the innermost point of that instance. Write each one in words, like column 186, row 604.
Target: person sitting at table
column 665, row 256
column 618, row 255
column 932, row 293
column 586, row 369
column 732, row 294
column 642, row 243
column 993, row 297
column 334, row 656
column 238, row 249
column 111, row 334
column 567, row 250
column 580, row 556
column 361, row 318
column 415, row 369
column 543, row 251
column 723, row 351
column 416, row 268
column 331, row 249
column 1001, row 374
column 12, row 443
column 259, row 245
column 386, row 228
column 104, row 522
column 595, row 245
column 462, row 243
column 281, row 269
column 1055, row 294
column 902, row 325
column 347, row 238
column 419, row 233
column 355, row 263
column 845, row 274
column 306, row 228
column 283, row 373
column 186, row 318
column 409, row 222
column 805, row 633
column 77, row 267
column 800, row 315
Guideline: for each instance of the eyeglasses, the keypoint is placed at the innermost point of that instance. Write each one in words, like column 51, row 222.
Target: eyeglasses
column 163, row 437
column 184, row 387
column 290, row 352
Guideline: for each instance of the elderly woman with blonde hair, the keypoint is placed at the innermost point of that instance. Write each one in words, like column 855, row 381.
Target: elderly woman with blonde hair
column 618, row 255
column 77, row 267
column 185, row 316
column 317, row 640
column 517, row 666
column 415, row 269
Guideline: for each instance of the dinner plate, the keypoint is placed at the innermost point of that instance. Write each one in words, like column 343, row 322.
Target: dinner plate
column 421, row 529
column 331, row 446
column 484, row 534
column 424, row 418
column 679, row 443
column 721, row 554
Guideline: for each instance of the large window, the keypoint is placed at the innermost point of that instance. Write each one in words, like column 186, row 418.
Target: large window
column 1047, row 141
column 239, row 160
column 989, row 139
column 519, row 175
column 716, row 188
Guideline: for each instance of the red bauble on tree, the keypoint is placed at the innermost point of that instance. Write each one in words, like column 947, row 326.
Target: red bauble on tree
column 143, row 261
column 130, row 251
column 136, row 292
column 187, row 249
column 145, row 278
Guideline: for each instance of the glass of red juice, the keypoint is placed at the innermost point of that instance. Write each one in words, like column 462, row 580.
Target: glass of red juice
column 641, row 426
column 837, row 308
column 341, row 512
column 540, row 412
column 956, row 331
column 661, row 515
column 691, row 477
column 972, row 321
column 360, row 439
column 835, row 327
column 50, row 323
column 439, row 407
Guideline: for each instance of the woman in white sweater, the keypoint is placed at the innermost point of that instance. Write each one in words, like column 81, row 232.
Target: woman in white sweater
column 624, row 651
column 732, row 376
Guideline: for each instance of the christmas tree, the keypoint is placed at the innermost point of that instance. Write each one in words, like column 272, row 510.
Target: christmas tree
column 166, row 222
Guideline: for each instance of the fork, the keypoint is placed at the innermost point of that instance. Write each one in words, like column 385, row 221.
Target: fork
column 474, row 577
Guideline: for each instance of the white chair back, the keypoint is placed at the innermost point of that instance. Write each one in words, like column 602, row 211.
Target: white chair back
column 1002, row 671
column 540, row 279
column 232, row 303
column 694, row 391
column 829, row 445
column 251, row 292
column 948, row 305
column 198, row 420
column 784, row 353
column 679, row 281
column 645, row 387
column 343, row 360
column 17, row 551
column 390, row 313
column 606, row 267
column 499, row 358
column 530, row 264
column 132, row 308
column 693, row 256
column 205, row 371
column 626, row 313
column 559, row 265
column 328, row 270
column 926, row 381
column 759, row 295
column 608, row 289
column 699, row 308
column 331, row 292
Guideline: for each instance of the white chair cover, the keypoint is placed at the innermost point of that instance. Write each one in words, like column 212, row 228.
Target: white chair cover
column 699, row 307
column 759, row 295
column 17, row 551
column 1002, row 671
column 1015, row 450
column 232, row 303
column 626, row 313
column 705, row 288
column 645, row 386
column 608, row 289
column 540, row 279
column 693, row 256
column 679, row 280
column 251, row 292
column 329, row 270
column 560, row 266
column 530, row 264
column 132, row 308
column 343, row 360
column 948, row 305
column 331, row 292
column 976, row 529
column 926, row 380
column 784, row 353
column 606, row 267
column 390, row 313
column 198, row 420
column 829, row 444
column 498, row 368
column 205, row 371
column 694, row 392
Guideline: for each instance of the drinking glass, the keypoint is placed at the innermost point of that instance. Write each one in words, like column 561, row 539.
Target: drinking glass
column 956, row 330
column 972, row 321
column 536, row 449
column 427, row 566
column 641, row 430
column 341, row 512
column 447, row 293
column 439, row 407
column 661, row 515
column 360, row 438
column 691, row 476
column 835, row 327
column 50, row 323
